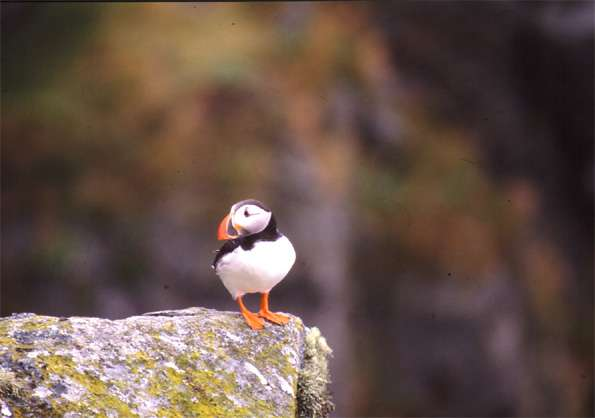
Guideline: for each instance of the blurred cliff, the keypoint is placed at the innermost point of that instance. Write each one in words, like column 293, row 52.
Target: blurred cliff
column 431, row 162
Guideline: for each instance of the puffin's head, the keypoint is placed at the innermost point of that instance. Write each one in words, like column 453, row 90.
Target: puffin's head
column 245, row 218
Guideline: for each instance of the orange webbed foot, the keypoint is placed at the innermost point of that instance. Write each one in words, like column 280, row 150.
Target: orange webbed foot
column 275, row 318
column 252, row 319
column 265, row 312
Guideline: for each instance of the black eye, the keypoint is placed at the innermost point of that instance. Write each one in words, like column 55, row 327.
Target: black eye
column 246, row 214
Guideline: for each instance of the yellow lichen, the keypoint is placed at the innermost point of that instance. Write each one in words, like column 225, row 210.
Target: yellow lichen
column 197, row 372
column 313, row 396
column 97, row 396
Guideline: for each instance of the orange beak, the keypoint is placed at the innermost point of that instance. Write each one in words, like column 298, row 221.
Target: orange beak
column 226, row 230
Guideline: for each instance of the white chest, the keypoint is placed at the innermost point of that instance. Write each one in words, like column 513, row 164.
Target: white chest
column 258, row 269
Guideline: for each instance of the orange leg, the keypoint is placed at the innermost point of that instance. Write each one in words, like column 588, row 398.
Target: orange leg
column 252, row 319
column 264, row 312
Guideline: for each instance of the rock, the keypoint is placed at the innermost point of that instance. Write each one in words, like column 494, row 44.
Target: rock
column 192, row 362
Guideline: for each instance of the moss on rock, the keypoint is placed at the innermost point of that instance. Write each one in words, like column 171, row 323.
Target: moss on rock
column 192, row 362
column 314, row 399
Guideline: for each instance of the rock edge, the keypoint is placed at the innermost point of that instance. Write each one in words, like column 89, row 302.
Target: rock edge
column 191, row 362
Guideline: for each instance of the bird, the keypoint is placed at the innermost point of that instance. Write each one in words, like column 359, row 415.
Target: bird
column 254, row 258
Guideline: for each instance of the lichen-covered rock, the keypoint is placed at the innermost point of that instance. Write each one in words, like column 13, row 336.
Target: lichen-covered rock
column 192, row 362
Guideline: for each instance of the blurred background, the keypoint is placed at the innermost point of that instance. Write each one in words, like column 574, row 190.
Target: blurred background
column 431, row 162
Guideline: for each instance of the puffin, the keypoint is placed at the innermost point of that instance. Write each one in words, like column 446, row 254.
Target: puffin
column 254, row 258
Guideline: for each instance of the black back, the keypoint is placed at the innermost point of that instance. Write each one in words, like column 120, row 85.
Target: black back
column 270, row 233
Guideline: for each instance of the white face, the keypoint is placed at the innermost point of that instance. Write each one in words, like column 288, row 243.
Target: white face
column 250, row 219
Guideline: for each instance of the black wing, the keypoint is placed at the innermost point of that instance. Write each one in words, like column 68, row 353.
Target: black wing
column 270, row 233
column 228, row 247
